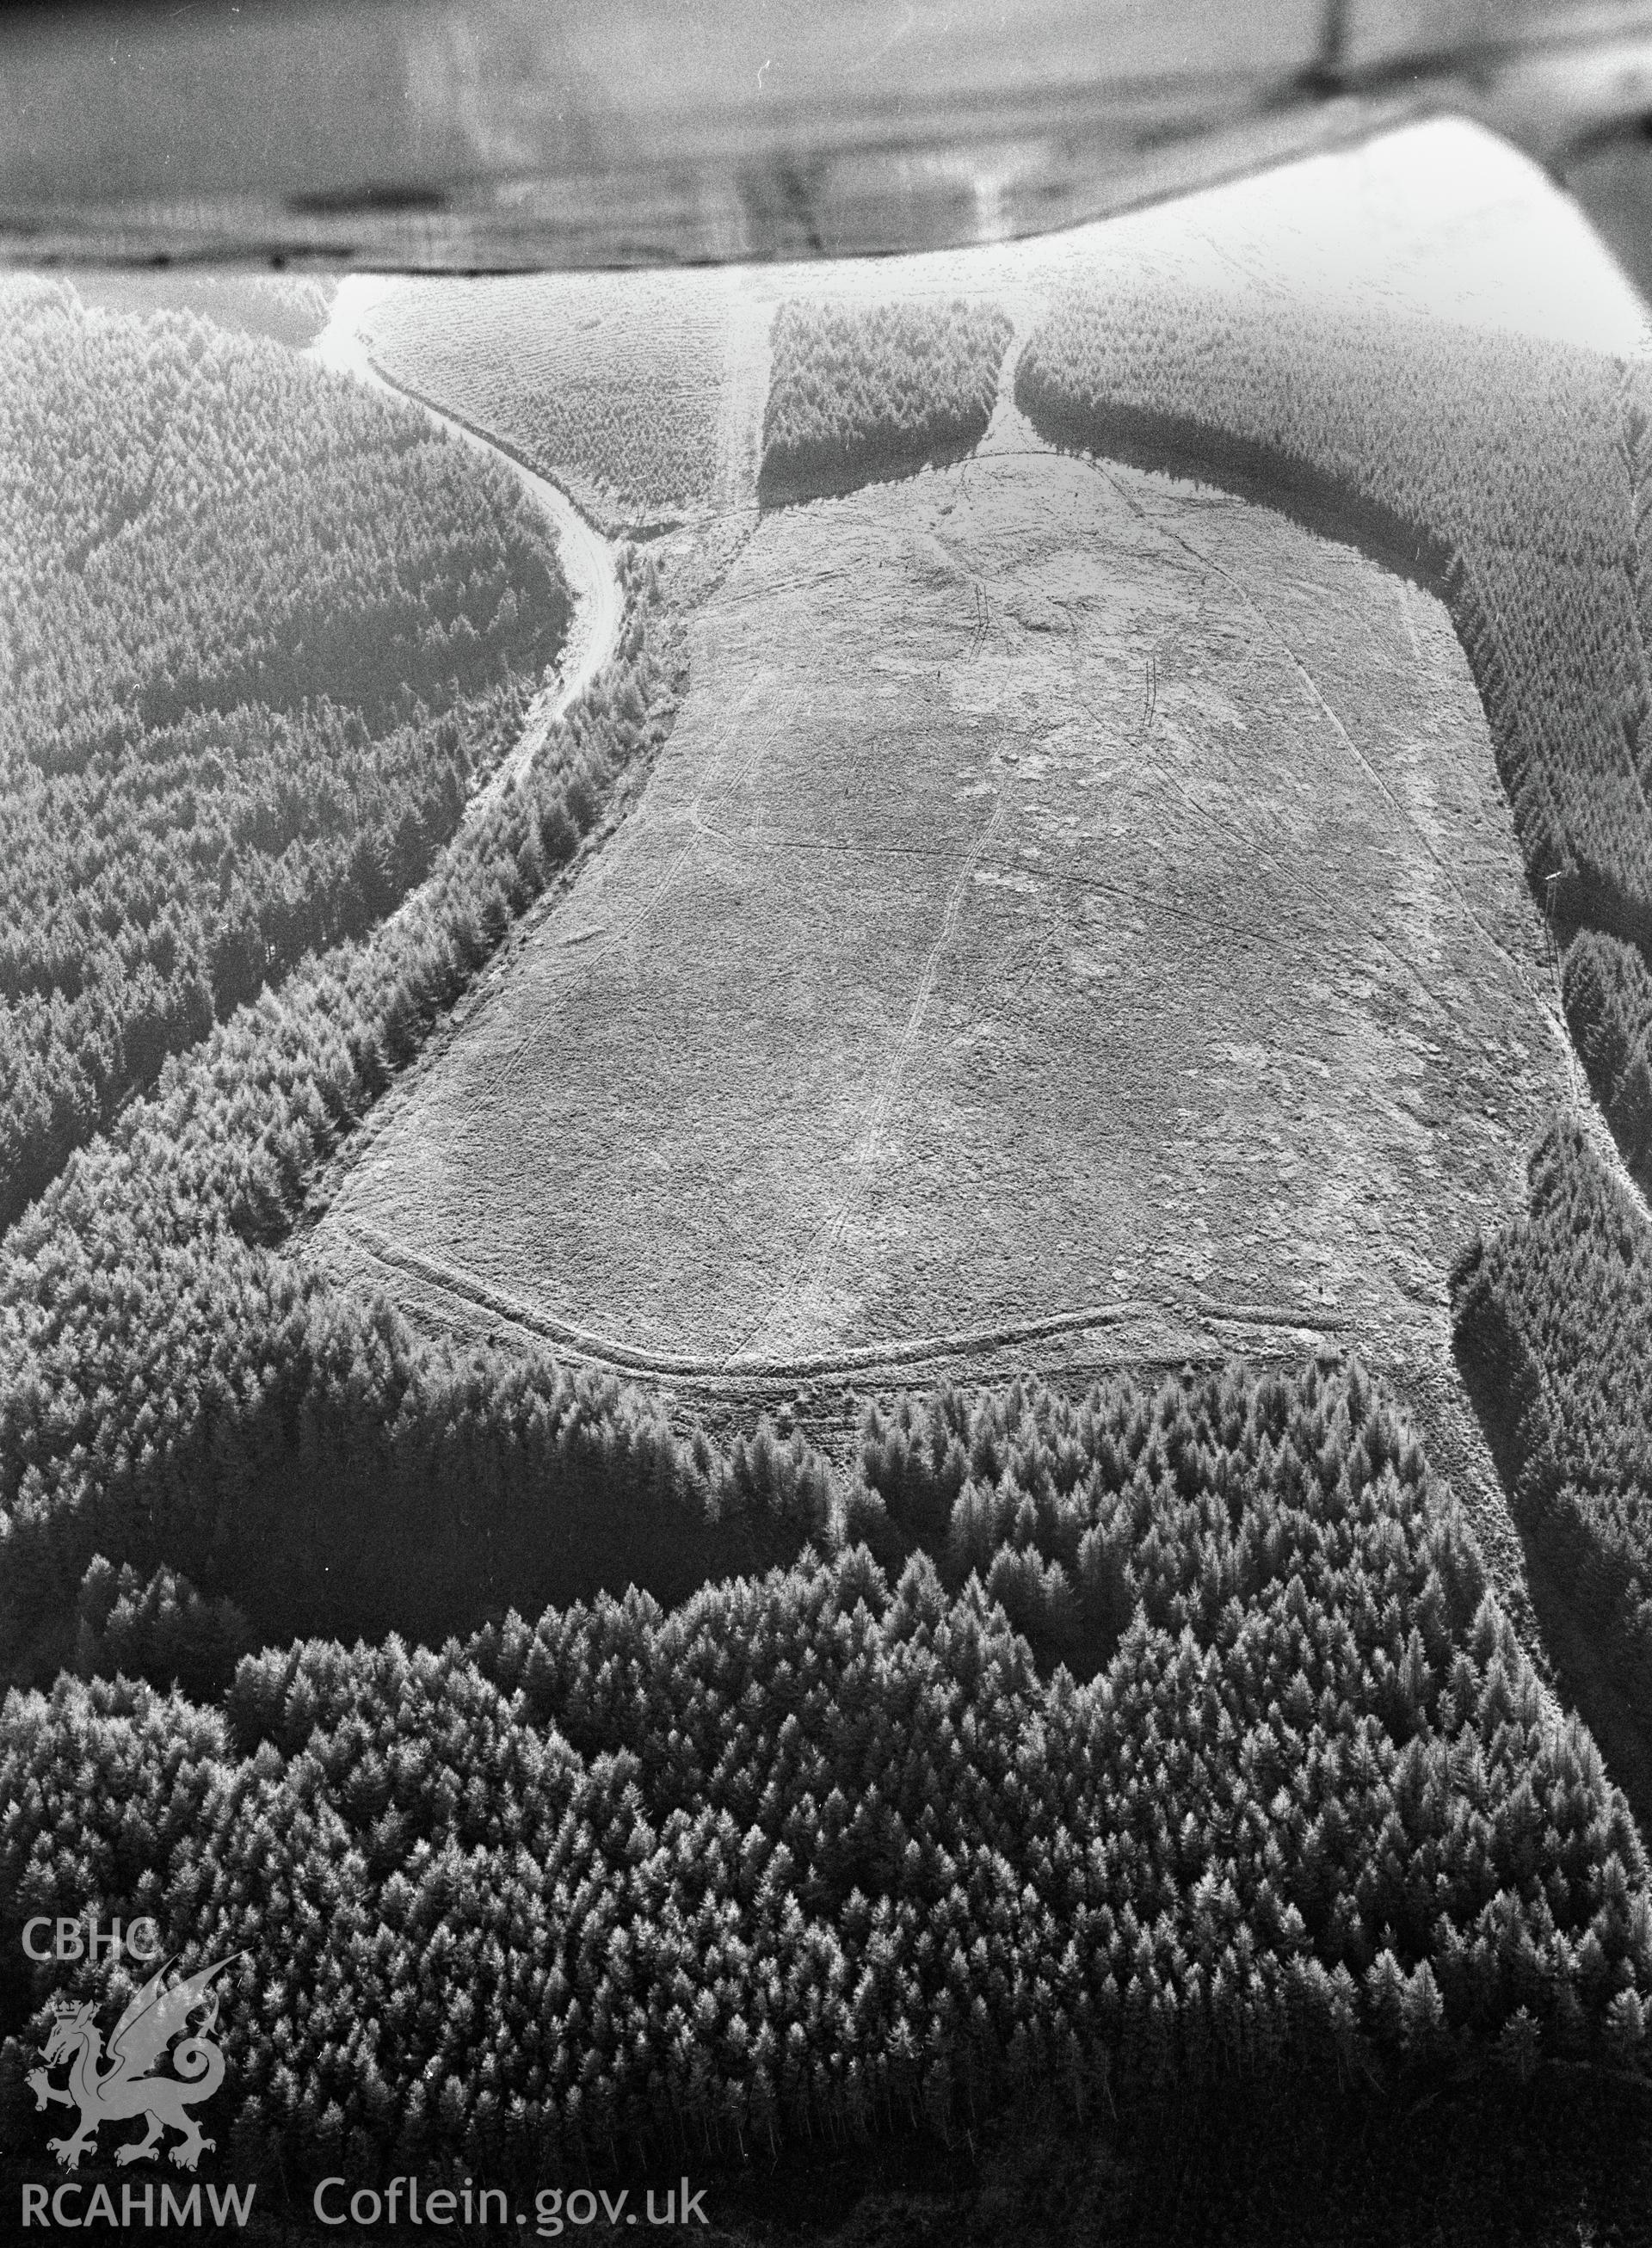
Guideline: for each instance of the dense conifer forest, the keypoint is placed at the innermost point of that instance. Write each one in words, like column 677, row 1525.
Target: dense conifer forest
column 260, row 626
column 290, row 308
column 163, row 1363
column 1608, row 993
column 876, row 391
column 1554, row 1321
column 823, row 1851
column 609, row 380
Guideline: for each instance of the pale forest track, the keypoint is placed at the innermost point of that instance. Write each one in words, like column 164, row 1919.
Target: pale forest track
column 588, row 559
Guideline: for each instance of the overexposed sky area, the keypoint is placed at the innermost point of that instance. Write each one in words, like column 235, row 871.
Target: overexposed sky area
column 1440, row 218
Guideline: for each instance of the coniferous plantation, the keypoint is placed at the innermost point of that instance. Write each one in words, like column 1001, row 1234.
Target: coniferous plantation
column 550, row 363
column 164, row 1363
column 830, row 1851
column 260, row 629
column 1554, row 1317
column 876, row 391
column 1608, row 993
column 581, row 1788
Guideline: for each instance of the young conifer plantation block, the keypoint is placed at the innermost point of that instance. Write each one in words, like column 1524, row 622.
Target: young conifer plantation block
column 1509, row 468
column 862, row 392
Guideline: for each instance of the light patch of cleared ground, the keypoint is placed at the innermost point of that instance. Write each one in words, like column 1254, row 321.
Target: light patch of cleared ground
column 1077, row 920
column 1065, row 891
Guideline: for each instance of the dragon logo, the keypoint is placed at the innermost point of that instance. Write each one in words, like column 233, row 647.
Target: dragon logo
column 129, row 2086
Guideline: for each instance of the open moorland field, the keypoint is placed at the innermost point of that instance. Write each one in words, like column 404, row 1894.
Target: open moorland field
column 1065, row 891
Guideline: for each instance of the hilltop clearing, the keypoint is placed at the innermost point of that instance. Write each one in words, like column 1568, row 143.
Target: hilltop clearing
column 1069, row 898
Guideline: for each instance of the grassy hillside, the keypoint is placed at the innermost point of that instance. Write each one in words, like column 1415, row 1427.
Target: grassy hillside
column 1061, row 897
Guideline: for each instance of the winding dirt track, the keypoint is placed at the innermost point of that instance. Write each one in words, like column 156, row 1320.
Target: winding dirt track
column 587, row 559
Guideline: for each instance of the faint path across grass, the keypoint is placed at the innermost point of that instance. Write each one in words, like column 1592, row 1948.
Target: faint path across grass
column 808, row 1287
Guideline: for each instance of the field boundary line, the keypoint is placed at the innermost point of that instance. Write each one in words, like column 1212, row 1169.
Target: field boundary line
column 898, row 1351
column 1402, row 587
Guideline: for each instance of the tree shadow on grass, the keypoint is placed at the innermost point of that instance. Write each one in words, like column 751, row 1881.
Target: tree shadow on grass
column 787, row 484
